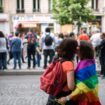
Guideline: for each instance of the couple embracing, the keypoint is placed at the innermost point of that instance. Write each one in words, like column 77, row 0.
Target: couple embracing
column 79, row 86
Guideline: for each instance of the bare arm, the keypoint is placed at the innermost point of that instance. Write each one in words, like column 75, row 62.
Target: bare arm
column 70, row 80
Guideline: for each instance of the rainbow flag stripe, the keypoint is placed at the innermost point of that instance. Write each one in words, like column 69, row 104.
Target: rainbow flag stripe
column 86, row 90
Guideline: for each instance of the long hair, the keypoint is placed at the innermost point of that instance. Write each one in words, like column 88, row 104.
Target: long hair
column 86, row 50
column 67, row 48
column 1, row 34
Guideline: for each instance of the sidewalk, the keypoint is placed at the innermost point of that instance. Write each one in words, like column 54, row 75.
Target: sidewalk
column 25, row 71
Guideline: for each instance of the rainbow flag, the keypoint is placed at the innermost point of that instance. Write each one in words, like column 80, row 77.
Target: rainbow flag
column 86, row 91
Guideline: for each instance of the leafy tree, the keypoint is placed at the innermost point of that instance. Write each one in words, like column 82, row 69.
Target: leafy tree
column 68, row 11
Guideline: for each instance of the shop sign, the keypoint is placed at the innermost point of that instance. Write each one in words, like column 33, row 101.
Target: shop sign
column 38, row 18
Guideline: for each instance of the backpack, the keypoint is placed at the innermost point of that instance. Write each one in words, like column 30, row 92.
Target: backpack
column 31, row 38
column 31, row 42
column 52, row 80
column 48, row 40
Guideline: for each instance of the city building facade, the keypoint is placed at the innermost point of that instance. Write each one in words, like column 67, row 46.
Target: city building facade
column 37, row 15
column 31, row 14
column 98, row 7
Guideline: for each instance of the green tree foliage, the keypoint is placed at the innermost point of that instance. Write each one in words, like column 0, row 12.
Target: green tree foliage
column 68, row 11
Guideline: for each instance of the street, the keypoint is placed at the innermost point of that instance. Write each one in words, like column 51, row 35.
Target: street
column 24, row 90
column 21, row 90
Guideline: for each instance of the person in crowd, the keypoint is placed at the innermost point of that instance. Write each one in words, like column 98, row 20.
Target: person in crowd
column 66, row 36
column 102, row 55
column 47, row 45
column 22, row 46
column 58, row 41
column 38, row 52
column 83, row 36
column 10, row 47
column 86, row 80
column 3, row 51
column 16, row 50
column 31, row 48
column 72, row 35
column 96, row 40
column 67, row 55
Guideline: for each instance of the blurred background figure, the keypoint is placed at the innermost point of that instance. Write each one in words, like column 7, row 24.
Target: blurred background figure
column 3, row 51
column 96, row 40
column 22, row 47
column 83, row 36
column 31, row 48
column 38, row 51
column 16, row 50
column 48, row 46
column 102, row 55
column 9, row 38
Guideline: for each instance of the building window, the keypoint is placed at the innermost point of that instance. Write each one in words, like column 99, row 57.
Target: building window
column 20, row 6
column 50, row 5
column 95, row 5
column 1, row 6
column 36, row 5
column 92, row 4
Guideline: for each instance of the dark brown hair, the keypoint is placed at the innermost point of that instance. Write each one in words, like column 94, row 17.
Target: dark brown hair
column 86, row 50
column 61, row 35
column 103, row 36
column 1, row 34
column 67, row 48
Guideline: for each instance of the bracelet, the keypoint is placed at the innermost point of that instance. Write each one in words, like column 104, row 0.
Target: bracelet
column 67, row 98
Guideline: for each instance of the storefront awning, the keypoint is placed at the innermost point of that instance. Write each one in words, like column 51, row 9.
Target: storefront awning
column 29, row 24
column 25, row 24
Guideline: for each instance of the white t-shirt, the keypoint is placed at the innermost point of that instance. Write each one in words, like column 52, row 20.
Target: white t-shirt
column 96, row 39
column 3, row 47
column 43, row 41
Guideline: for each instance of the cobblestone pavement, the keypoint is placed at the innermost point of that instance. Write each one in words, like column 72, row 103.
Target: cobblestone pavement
column 21, row 90
column 24, row 90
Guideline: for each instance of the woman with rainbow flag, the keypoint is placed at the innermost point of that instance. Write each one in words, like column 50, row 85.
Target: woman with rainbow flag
column 86, row 90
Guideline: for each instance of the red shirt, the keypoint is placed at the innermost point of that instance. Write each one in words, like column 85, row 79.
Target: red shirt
column 84, row 37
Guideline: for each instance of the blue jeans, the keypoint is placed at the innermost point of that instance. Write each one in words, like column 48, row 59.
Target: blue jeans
column 48, row 53
column 38, row 58
column 3, row 61
column 31, row 56
column 17, row 57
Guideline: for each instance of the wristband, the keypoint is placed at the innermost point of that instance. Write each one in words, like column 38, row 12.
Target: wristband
column 67, row 98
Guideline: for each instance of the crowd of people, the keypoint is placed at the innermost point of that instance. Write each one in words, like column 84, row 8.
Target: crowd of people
column 81, row 83
column 31, row 46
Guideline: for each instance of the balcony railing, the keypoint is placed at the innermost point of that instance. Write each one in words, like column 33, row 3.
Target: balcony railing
column 20, row 11
column 36, row 10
